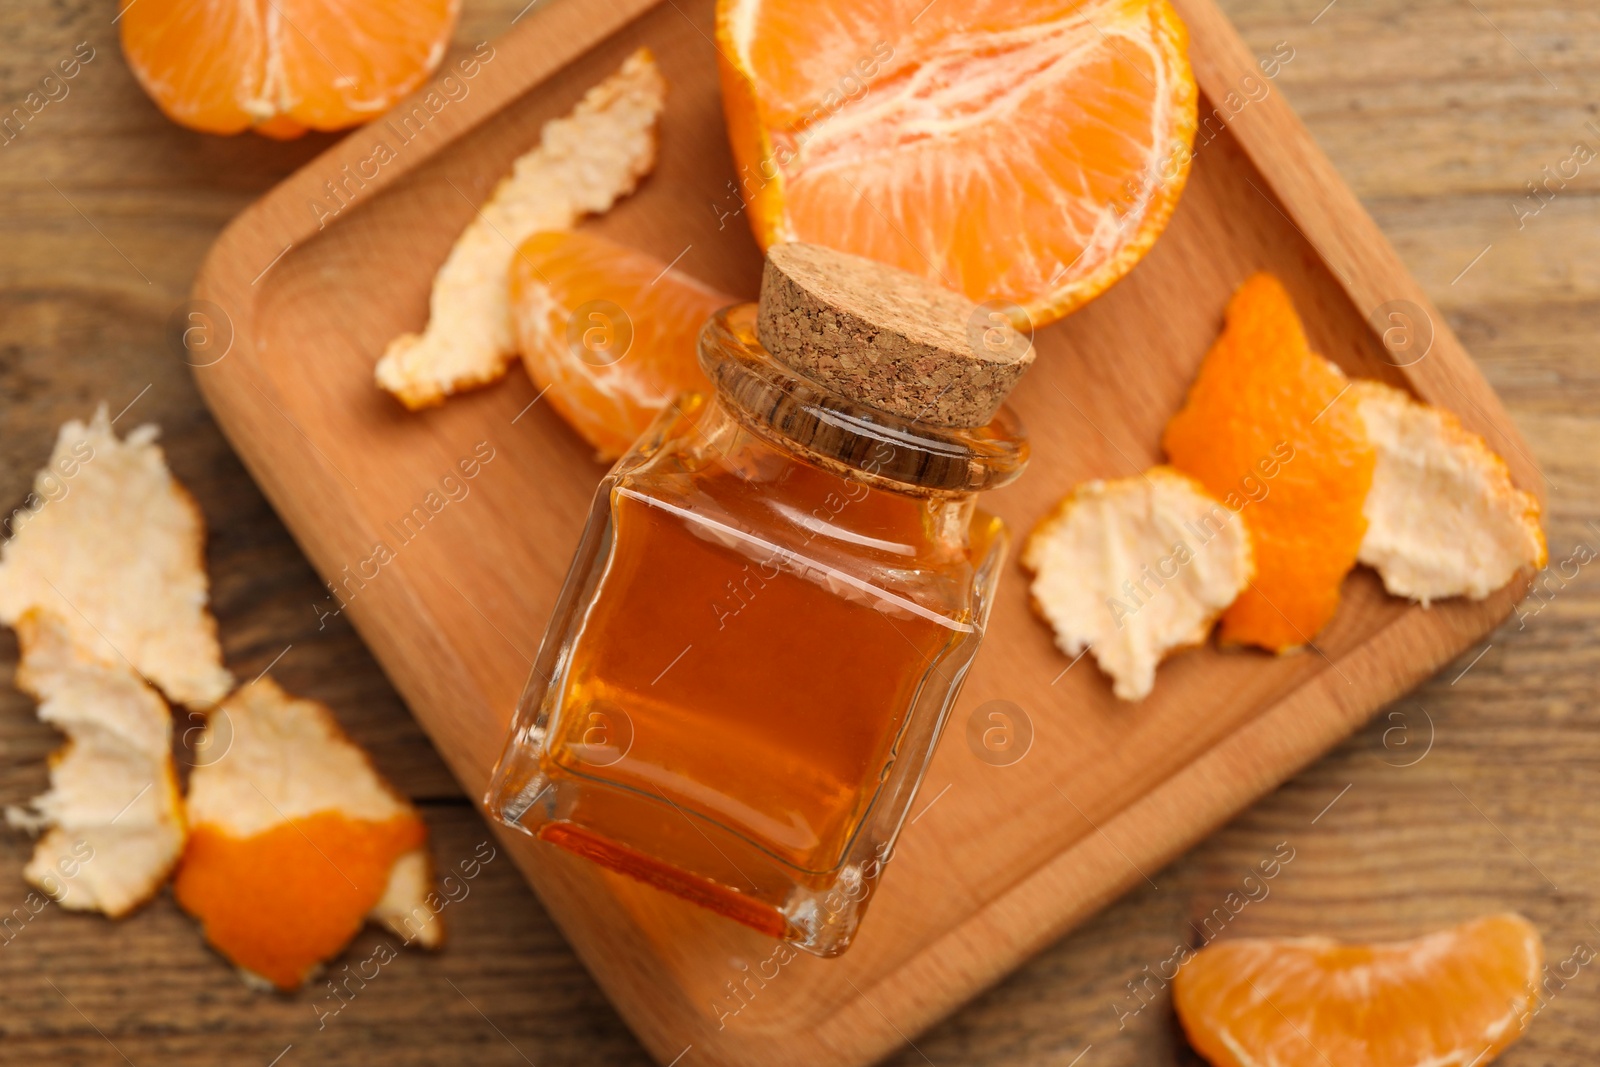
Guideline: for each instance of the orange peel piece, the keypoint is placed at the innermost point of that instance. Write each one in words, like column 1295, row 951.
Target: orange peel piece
column 584, row 163
column 609, row 333
column 113, row 819
column 1134, row 569
column 1457, row 996
column 1443, row 517
column 1262, row 431
column 112, row 546
column 296, row 840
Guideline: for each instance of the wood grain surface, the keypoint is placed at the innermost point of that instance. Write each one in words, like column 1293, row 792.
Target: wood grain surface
column 1473, row 794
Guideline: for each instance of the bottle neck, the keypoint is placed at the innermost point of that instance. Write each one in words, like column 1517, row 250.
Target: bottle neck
column 832, row 503
column 795, row 414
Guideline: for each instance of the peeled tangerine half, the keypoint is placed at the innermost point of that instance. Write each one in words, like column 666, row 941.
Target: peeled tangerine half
column 282, row 66
column 610, row 332
column 295, row 841
column 1456, row 997
column 1262, row 431
column 1024, row 152
column 1443, row 518
column 585, row 161
column 1134, row 568
column 112, row 818
column 112, row 546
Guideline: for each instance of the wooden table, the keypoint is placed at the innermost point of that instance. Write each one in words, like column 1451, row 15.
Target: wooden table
column 1479, row 792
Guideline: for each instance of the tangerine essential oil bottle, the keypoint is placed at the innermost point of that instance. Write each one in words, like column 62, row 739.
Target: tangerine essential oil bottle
column 778, row 593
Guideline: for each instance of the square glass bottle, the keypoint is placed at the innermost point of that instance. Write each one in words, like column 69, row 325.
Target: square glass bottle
column 776, row 598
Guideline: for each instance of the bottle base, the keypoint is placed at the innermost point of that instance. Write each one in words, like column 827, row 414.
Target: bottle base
column 817, row 914
column 729, row 903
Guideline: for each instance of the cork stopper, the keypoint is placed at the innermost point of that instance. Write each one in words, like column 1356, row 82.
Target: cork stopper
column 886, row 338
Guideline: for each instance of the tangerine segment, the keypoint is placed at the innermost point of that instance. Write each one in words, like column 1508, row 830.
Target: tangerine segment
column 282, row 66
column 281, row 901
column 1023, row 152
column 1262, row 432
column 1458, row 996
column 610, row 332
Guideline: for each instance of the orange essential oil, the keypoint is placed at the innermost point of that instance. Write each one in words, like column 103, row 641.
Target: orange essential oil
column 777, row 596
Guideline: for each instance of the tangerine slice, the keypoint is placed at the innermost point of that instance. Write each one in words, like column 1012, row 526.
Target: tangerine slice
column 1029, row 153
column 1458, row 996
column 282, row 66
column 1262, row 432
column 609, row 332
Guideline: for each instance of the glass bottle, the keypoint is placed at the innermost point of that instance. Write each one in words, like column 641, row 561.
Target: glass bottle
column 775, row 601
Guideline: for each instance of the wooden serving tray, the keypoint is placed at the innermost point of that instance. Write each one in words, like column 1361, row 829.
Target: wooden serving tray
column 998, row 860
